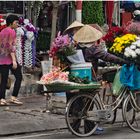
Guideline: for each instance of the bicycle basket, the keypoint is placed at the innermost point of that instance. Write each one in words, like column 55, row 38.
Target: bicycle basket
column 109, row 76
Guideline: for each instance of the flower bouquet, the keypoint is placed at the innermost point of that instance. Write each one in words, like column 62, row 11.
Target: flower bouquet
column 112, row 34
column 55, row 75
column 127, row 47
column 62, row 47
column 2, row 23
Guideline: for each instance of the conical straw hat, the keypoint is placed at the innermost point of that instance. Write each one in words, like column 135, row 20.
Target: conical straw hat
column 96, row 26
column 87, row 34
column 75, row 24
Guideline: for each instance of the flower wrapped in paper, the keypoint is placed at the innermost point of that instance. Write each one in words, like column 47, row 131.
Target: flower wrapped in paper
column 62, row 47
column 55, row 75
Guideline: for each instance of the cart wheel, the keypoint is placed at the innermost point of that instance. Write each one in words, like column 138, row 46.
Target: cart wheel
column 77, row 118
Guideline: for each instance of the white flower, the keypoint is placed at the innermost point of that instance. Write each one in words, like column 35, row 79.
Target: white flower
column 138, row 38
column 137, row 51
column 138, row 43
column 134, row 43
column 3, row 23
column 30, row 35
column 127, row 49
column 133, row 54
column 126, row 54
column 26, row 21
column 19, row 31
column 133, row 47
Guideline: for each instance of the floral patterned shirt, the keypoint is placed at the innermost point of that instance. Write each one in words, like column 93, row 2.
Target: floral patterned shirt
column 7, row 42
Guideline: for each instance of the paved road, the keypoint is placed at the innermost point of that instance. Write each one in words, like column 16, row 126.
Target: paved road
column 115, row 132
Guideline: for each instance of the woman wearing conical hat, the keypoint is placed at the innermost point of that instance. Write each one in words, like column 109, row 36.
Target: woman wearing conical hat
column 86, row 38
column 73, row 28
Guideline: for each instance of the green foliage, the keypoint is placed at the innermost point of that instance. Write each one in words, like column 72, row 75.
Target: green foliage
column 43, row 41
column 92, row 12
column 77, row 79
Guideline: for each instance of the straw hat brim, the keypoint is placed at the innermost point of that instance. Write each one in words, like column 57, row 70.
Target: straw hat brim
column 96, row 26
column 87, row 34
column 75, row 24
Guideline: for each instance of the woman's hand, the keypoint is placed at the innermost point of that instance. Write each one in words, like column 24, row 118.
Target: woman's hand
column 14, row 65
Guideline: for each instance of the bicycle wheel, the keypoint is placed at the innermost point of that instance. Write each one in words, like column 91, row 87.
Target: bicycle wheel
column 77, row 118
column 131, row 115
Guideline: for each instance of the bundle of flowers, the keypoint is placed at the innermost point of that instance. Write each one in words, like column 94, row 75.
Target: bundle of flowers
column 127, row 47
column 2, row 23
column 112, row 34
column 55, row 74
column 62, row 47
column 30, row 34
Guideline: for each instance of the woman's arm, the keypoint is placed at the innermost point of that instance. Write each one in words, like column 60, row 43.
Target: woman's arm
column 13, row 60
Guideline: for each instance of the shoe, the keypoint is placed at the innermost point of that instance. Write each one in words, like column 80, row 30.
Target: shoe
column 99, row 130
column 3, row 102
column 15, row 101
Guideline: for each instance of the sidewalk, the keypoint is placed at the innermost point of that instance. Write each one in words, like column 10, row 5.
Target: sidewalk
column 30, row 117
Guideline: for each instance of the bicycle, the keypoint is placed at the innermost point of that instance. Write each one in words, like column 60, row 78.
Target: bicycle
column 91, row 111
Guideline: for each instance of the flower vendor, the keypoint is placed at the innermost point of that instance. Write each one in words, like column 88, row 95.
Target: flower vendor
column 73, row 28
column 87, row 37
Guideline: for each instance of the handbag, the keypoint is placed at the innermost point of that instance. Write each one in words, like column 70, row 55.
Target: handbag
column 9, row 81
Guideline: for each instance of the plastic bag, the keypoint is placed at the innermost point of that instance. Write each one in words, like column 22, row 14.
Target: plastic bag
column 130, row 76
column 77, row 58
column 117, row 85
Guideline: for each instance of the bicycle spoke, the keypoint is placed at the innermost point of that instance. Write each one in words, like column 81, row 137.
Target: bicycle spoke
column 78, row 121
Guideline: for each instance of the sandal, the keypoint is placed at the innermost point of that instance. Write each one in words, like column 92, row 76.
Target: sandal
column 3, row 102
column 15, row 101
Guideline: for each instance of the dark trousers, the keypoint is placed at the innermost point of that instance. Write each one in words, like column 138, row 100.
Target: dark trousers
column 18, row 79
column 4, row 70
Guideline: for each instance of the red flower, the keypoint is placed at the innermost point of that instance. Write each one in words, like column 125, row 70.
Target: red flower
column 112, row 34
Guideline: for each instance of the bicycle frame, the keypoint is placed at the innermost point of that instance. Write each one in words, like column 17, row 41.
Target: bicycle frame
column 117, row 102
column 134, row 104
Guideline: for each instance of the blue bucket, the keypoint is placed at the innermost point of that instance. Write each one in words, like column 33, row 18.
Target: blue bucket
column 82, row 70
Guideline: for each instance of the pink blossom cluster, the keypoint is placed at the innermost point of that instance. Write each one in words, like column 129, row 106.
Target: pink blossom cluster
column 59, row 42
column 55, row 74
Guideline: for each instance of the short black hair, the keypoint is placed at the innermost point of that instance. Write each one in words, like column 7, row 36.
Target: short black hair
column 10, row 19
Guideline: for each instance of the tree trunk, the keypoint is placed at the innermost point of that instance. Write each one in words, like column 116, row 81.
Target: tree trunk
column 54, row 19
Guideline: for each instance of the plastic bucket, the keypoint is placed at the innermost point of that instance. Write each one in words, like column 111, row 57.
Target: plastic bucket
column 82, row 70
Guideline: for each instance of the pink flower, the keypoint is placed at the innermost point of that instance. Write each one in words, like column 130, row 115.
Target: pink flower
column 55, row 74
column 60, row 42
